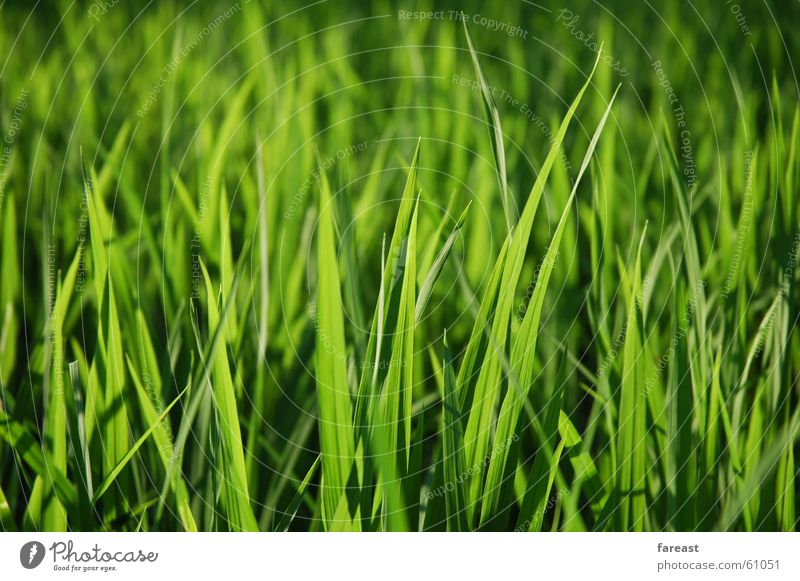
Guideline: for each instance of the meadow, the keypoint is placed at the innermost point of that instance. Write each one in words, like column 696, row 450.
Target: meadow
column 424, row 266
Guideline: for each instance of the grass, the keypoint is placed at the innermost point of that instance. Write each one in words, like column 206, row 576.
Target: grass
column 339, row 270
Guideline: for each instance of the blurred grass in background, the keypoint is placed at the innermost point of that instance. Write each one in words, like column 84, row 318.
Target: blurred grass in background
column 178, row 349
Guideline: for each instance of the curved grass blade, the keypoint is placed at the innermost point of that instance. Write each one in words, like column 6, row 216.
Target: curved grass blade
column 435, row 270
column 112, row 476
column 495, row 133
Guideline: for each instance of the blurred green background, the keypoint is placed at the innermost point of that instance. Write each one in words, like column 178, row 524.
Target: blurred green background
column 164, row 105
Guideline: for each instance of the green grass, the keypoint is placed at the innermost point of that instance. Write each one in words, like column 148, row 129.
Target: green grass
column 339, row 270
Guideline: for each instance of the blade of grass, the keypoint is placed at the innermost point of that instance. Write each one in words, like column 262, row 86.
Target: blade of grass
column 492, row 117
column 490, row 379
column 501, row 470
column 333, row 392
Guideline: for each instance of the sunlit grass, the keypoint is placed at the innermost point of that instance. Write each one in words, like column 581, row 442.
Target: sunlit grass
column 319, row 284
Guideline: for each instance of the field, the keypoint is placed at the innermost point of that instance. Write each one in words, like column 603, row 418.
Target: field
column 345, row 266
